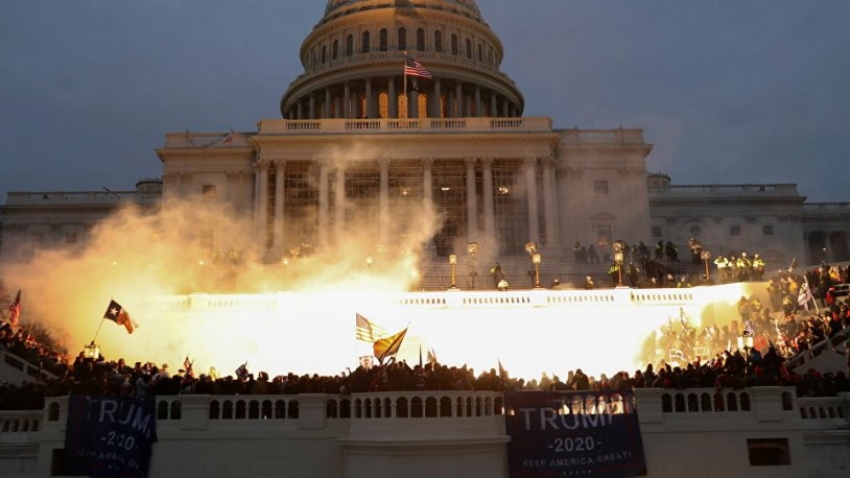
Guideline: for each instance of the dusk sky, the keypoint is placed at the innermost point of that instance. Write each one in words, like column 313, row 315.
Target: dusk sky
column 728, row 92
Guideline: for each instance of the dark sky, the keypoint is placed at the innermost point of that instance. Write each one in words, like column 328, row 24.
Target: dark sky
column 729, row 92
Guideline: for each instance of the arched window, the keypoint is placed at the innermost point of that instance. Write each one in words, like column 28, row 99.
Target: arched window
column 349, row 45
column 364, row 44
column 382, row 38
column 335, row 50
column 454, row 44
column 420, row 39
column 438, row 41
column 480, row 53
column 469, row 48
column 324, row 54
column 402, row 39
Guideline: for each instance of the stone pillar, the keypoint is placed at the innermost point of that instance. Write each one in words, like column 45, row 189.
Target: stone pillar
column 263, row 217
column 280, row 168
column 339, row 206
column 384, row 200
column 370, row 106
column 256, row 207
column 471, row 202
column 346, row 106
column 459, row 113
column 391, row 98
column 300, row 109
column 531, row 189
column 412, row 103
column 494, row 111
column 312, row 106
column 505, row 111
column 489, row 216
column 436, row 100
column 550, row 208
column 323, row 204
column 451, row 110
column 427, row 180
column 327, row 102
column 479, row 111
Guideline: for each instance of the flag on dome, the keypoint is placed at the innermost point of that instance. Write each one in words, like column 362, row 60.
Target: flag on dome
column 15, row 310
column 414, row 68
column 118, row 314
column 389, row 347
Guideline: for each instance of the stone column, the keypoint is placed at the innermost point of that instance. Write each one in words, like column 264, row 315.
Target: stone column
column 505, row 111
column 471, row 202
column 427, row 180
column 263, row 216
column 392, row 110
column 459, row 113
column 300, row 109
column 435, row 101
column 312, row 106
column 370, row 106
column 531, row 189
column 494, row 111
column 550, row 207
column 327, row 102
column 256, row 208
column 489, row 216
column 280, row 168
column 346, row 106
column 339, row 205
column 384, row 200
column 323, row 203
column 479, row 111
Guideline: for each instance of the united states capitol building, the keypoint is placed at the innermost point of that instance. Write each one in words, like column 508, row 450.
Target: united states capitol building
column 360, row 140
column 357, row 135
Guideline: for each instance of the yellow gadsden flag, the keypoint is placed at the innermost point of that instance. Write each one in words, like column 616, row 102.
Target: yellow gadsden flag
column 389, row 346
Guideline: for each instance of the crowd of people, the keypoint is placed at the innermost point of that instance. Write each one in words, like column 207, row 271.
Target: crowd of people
column 706, row 357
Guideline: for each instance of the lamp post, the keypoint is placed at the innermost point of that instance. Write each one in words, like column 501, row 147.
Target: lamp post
column 745, row 341
column 705, row 255
column 453, row 262
column 472, row 249
column 535, row 259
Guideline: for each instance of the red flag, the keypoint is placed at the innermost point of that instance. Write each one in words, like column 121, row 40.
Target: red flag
column 389, row 346
column 15, row 310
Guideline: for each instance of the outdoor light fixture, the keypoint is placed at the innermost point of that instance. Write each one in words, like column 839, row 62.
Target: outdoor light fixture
column 472, row 248
column 536, row 259
column 453, row 262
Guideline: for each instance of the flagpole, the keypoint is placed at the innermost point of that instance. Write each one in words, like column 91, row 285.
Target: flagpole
column 98, row 330
column 405, row 87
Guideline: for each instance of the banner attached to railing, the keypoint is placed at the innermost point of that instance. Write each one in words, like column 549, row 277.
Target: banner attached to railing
column 109, row 436
column 573, row 434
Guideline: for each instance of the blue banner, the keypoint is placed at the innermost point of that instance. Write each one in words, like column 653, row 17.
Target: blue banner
column 109, row 436
column 573, row 434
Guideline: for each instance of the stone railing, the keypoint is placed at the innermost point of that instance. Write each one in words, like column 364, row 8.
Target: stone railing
column 69, row 198
column 412, row 125
column 749, row 190
column 602, row 136
column 827, row 209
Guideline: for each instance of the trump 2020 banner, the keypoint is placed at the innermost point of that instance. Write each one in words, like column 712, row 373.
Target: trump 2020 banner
column 109, row 436
column 573, row 434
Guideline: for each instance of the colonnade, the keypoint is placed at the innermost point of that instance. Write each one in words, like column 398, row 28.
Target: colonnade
column 359, row 99
column 270, row 223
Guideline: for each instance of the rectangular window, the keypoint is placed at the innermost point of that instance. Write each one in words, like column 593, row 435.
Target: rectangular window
column 600, row 187
column 768, row 452
column 603, row 234
column 656, row 231
column 767, row 230
column 735, row 230
column 208, row 191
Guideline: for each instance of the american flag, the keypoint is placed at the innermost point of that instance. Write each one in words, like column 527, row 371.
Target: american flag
column 367, row 331
column 414, row 68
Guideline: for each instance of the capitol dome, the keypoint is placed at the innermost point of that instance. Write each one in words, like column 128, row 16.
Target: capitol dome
column 354, row 63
